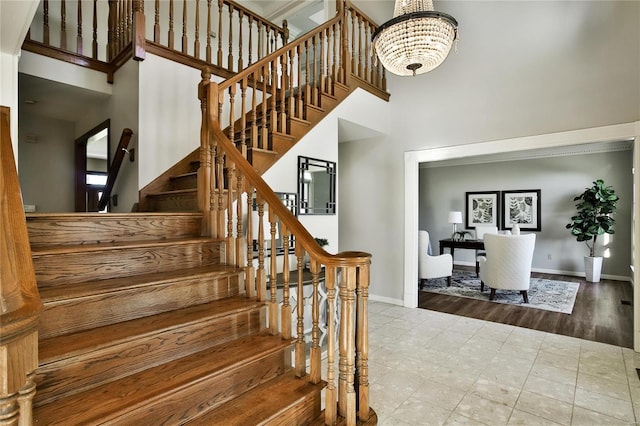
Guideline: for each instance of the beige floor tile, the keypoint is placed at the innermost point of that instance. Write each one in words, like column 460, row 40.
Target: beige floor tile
column 448, row 342
column 497, row 373
column 559, row 348
column 559, row 361
column 584, row 417
column 483, row 410
column 499, row 335
column 555, row 374
column 523, row 418
column 452, row 376
column 613, row 407
column 604, row 386
column 417, row 411
column 548, row 388
column 545, row 407
column 440, row 395
column 456, row 419
column 514, row 360
column 496, row 392
column 606, row 370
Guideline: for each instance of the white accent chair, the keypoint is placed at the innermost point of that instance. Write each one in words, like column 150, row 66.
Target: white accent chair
column 432, row 266
column 481, row 230
column 508, row 263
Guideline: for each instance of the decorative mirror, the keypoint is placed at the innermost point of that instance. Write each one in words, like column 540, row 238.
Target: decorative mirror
column 316, row 186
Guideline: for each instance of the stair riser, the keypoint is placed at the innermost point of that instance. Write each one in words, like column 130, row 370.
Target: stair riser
column 184, row 182
column 93, row 229
column 196, row 398
column 70, row 268
column 88, row 370
column 302, row 413
column 174, row 203
column 68, row 316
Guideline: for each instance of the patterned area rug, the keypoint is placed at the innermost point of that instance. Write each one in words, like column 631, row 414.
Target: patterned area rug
column 557, row 296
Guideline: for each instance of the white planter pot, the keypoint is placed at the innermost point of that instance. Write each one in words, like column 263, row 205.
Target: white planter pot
column 592, row 268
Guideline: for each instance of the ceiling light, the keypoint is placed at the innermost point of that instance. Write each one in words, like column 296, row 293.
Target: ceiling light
column 416, row 40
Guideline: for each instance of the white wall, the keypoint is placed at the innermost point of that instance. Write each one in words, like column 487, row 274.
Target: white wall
column 443, row 189
column 47, row 166
column 510, row 78
column 9, row 93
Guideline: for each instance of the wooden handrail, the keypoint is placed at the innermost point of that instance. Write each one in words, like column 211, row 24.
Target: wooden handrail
column 20, row 303
column 114, row 167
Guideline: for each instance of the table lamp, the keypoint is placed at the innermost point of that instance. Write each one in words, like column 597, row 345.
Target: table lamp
column 455, row 218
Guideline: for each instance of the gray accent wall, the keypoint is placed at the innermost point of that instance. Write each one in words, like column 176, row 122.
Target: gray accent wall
column 560, row 179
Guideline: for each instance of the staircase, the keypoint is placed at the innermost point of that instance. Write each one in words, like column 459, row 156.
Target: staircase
column 143, row 324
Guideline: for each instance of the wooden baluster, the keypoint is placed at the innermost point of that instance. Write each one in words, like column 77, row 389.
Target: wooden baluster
column 354, row 69
column 232, row 130
column 94, row 44
column 241, row 242
column 301, row 349
column 368, row 57
column 299, row 105
column 220, row 6
column 264, row 130
column 231, row 240
column 185, row 47
column 45, row 22
column 323, row 62
column 274, row 94
column 171, row 35
column 254, row 113
column 230, row 56
column 220, row 160
column 261, row 275
column 346, row 391
column 250, row 39
column 111, row 28
column 119, row 27
column 290, row 98
column 250, row 273
column 307, row 85
column 283, row 88
column 156, row 23
column 243, row 117
column 196, row 43
column 331, row 395
column 273, row 273
column 285, row 312
column 314, row 72
column 63, row 25
column 25, row 400
column 260, row 41
column 206, row 194
column 129, row 13
column 360, row 48
column 285, row 33
column 240, row 16
column 208, row 51
column 214, row 194
column 316, row 352
column 362, row 342
column 334, row 62
column 79, row 37
column 138, row 38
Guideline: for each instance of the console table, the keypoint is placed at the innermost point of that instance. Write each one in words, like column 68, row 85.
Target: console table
column 465, row 244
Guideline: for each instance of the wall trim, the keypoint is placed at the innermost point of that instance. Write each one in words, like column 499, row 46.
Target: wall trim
column 385, row 299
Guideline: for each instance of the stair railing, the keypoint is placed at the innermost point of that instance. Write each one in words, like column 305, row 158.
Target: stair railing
column 20, row 304
column 114, row 167
column 346, row 275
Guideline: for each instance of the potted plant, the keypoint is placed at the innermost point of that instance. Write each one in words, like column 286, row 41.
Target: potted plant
column 595, row 206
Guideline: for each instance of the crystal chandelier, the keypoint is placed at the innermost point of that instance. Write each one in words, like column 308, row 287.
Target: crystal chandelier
column 416, row 40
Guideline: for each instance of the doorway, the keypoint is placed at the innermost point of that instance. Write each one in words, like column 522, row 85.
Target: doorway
column 92, row 159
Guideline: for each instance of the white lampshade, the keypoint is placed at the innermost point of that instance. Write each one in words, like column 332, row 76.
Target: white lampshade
column 455, row 217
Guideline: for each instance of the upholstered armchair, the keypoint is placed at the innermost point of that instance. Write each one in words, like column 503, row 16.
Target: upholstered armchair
column 480, row 231
column 508, row 263
column 432, row 266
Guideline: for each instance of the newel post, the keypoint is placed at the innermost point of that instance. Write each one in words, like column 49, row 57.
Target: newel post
column 206, row 160
column 138, row 38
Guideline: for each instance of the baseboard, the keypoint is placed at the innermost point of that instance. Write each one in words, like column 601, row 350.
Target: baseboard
column 385, row 299
column 558, row 272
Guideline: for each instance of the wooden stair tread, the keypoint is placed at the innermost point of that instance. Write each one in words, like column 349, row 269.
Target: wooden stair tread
column 107, row 215
column 80, row 248
column 89, row 288
column 267, row 401
column 154, row 384
column 65, row 346
column 183, row 175
column 173, row 192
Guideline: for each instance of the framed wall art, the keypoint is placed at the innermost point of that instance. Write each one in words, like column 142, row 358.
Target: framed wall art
column 521, row 207
column 482, row 208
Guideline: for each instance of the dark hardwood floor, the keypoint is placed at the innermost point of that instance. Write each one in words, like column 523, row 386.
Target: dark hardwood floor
column 599, row 313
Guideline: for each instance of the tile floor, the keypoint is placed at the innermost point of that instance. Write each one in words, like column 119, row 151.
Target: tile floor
column 431, row 368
